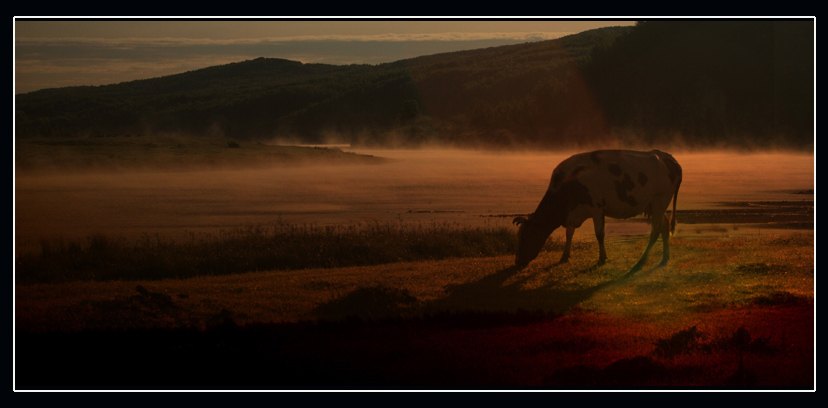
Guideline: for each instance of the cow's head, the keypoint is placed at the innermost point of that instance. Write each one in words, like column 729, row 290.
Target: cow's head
column 531, row 237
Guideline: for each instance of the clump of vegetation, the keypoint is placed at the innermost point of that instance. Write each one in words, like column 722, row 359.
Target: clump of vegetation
column 742, row 340
column 281, row 247
column 781, row 298
column 691, row 340
column 684, row 341
column 761, row 268
column 373, row 302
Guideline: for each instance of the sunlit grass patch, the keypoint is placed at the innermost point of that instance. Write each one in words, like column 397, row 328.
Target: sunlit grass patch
column 706, row 275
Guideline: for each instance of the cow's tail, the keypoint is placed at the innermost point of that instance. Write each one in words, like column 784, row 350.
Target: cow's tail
column 673, row 215
column 674, row 173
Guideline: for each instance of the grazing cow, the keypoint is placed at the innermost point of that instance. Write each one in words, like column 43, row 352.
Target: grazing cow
column 612, row 183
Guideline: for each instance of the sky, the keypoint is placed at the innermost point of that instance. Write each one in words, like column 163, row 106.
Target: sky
column 59, row 53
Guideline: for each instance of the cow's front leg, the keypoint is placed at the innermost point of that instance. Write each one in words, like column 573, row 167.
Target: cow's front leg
column 565, row 256
column 598, row 221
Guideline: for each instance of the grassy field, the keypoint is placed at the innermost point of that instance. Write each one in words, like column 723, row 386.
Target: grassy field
column 725, row 313
column 241, row 250
column 388, row 304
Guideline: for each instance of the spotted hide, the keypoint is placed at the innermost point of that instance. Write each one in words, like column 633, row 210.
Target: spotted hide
column 604, row 183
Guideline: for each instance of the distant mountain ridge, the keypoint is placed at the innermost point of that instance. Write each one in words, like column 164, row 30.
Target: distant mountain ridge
column 615, row 84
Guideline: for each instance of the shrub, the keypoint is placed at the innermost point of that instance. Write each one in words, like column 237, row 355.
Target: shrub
column 684, row 341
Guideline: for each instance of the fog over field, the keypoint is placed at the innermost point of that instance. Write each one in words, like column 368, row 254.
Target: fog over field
column 418, row 186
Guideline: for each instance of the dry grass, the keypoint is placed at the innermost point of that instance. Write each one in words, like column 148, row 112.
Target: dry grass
column 730, row 313
column 242, row 250
column 704, row 276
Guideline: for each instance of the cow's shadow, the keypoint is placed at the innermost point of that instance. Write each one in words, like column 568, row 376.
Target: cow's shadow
column 508, row 290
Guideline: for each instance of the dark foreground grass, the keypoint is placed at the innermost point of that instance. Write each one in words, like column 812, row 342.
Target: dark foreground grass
column 284, row 247
column 502, row 350
column 725, row 314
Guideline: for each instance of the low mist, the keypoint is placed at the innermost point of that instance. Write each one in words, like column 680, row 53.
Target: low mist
column 416, row 186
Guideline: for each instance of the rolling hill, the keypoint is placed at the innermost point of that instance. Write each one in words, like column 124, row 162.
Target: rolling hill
column 703, row 83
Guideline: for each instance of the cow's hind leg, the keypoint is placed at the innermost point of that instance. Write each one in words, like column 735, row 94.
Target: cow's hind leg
column 665, row 240
column 654, row 233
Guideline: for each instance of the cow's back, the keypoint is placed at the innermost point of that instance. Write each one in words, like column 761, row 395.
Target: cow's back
column 623, row 183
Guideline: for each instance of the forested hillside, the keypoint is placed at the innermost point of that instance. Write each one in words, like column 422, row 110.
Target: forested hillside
column 712, row 82
column 715, row 82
